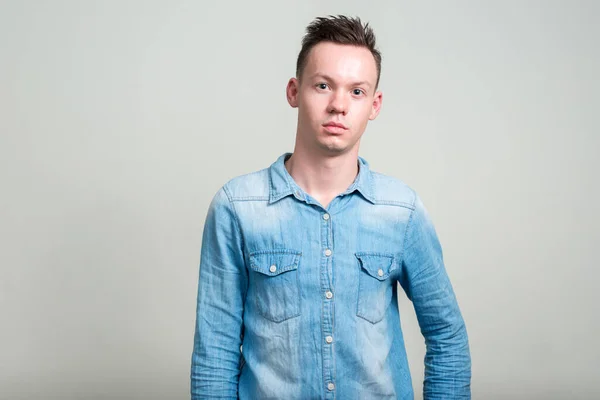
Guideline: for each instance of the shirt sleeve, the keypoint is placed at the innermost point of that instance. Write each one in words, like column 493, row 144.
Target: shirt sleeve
column 447, row 359
column 222, row 285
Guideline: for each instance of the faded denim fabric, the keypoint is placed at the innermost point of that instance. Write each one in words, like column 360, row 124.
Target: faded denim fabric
column 300, row 302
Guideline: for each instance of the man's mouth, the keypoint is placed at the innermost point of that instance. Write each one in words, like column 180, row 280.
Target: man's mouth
column 335, row 127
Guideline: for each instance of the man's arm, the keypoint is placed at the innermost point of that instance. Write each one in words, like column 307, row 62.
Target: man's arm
column 426, row 283
column 222, row 288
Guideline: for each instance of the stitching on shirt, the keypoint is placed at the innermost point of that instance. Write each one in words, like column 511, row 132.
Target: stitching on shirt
column 250, row 198
column 394, row 203
column 376, row 201
column 408, row 225
column 371, row 186
column 333, row 375
column 276, row 251
column 237, row 224
column 374, row 253
column 423, row 269
column 235, row 219
column 283, row 192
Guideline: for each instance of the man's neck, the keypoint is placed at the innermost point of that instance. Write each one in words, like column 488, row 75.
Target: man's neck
column 323, row 177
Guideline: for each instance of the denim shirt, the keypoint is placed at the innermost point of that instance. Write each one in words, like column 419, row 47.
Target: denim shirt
column 297, row 301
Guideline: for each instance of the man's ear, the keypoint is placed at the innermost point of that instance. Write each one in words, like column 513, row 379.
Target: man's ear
column 291, row 92
column 376, row 106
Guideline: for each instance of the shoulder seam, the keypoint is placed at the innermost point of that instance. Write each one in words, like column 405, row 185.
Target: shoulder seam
column 394, row 203
column 235, row 215
column 250, row 198
column 233, row 198
column 408, row 224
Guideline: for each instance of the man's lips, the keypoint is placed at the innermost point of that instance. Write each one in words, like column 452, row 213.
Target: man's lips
column 335, row 124
column 335, row 127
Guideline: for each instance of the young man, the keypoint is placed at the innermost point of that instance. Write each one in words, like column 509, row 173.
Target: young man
column 297, row 295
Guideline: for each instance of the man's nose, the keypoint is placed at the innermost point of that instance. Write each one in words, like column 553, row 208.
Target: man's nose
column 338, row 103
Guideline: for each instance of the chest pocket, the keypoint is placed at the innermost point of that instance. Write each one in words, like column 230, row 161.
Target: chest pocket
column 275, row 283
column 374, row 284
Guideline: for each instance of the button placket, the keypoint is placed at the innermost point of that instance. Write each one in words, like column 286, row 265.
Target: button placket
column 328, row 305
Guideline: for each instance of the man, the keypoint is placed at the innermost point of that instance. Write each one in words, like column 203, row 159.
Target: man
column 297, row 295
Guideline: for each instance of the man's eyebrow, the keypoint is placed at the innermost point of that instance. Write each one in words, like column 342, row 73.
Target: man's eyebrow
column 328, row 78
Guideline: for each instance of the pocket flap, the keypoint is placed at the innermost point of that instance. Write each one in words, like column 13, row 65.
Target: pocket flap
column 378, row 265
column 274, row 262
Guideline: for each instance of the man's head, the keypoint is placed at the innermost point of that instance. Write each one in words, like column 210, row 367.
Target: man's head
column 337, row 75
column 341, row 30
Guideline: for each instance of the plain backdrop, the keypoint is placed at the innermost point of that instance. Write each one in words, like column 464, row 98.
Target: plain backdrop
column 119, row 120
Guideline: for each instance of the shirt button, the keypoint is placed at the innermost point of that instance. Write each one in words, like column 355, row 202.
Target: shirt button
column 325, row 217
column 330, row 386
column 273, row 268
column 327, row 252
column 329, row 339
column 380, row 272
column 328, row 294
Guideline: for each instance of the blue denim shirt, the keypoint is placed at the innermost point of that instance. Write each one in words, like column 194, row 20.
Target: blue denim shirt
column 300, row 302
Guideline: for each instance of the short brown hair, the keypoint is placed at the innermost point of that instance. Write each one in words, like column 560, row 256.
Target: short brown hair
column 338, row 29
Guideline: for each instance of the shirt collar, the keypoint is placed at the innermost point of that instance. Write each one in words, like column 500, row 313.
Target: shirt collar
column 282, row 184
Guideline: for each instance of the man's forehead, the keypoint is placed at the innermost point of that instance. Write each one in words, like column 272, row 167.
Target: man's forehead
column 339, row 61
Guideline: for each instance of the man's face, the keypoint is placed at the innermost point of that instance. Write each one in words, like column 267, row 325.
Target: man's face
column 337, row 86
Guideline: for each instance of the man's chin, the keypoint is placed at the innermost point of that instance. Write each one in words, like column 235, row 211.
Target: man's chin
column 333, row 148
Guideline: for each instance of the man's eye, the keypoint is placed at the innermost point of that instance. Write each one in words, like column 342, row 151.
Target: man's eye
column 322, row 86
column 357, row 92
